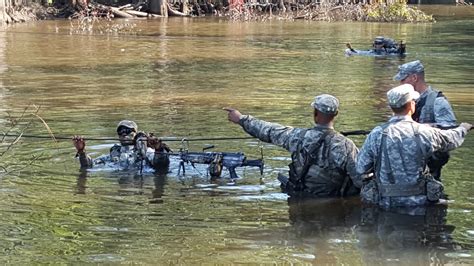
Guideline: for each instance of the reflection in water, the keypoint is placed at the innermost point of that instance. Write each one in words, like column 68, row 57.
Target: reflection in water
column 406, row 236
column 158, row 191
column 81, row 183
column 131, row 183
column 323, row 227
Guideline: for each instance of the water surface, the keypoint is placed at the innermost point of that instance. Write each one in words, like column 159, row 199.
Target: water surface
column 173, row 77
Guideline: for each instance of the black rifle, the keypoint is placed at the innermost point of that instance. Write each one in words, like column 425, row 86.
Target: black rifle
column 355, row 132
column 217, row 160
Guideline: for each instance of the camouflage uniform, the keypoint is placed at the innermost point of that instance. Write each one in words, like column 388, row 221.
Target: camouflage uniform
column 123, row 157
column 431, row 108
column 397, row 152
column 330, row 156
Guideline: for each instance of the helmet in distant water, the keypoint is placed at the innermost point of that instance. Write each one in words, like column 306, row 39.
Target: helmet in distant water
column 387, row 43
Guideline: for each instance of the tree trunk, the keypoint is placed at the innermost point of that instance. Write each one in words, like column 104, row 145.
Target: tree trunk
column 282, row 6
column 159, row 7
column 4, row 17
column 185, row 7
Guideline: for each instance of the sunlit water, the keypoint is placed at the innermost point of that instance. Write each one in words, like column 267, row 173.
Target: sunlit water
column 173, row 78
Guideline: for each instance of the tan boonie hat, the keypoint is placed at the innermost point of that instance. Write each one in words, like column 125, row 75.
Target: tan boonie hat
column 399, row 96
column 326, row 103
column 129, row 124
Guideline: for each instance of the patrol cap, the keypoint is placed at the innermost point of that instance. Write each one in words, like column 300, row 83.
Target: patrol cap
column 326, row 103
column 399, row 96
column 409, row 68
column 129, row 124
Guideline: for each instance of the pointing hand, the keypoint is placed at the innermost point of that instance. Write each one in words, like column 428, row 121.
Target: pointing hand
column 233, row 115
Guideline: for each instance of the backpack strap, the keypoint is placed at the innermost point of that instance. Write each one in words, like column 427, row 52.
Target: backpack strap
column 382, row 150
column 399, row 190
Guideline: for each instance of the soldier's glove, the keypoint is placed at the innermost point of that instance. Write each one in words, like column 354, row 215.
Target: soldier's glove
column 467, row 126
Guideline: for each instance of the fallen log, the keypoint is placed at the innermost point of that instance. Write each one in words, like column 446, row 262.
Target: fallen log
column 150, row 15
column 137, row 13
column 120, row 13
column 125, row 6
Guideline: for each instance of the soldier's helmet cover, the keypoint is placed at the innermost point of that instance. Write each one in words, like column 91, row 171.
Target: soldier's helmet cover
column 129, row 124
column 326, row 103
column 400, row 95
column 409, row 68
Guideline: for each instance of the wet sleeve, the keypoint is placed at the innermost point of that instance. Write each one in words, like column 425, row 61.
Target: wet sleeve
column 101, row 159
column 366, row 157
column 85, row 160
column 443, row 140
column 443, row 113
column 283, row 136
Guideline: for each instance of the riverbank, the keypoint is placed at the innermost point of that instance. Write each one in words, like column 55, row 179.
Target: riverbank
column 377, row 12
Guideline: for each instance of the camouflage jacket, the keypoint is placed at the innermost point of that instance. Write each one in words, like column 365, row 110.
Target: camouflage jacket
column 402, row 158
column 332, row 172
column 123, row 158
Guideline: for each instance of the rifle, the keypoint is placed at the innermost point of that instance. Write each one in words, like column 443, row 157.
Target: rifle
column 216, row 161
column 355, row 132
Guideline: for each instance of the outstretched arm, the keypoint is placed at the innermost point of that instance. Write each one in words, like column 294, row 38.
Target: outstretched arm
column 283, row 136
column 349, row 46
column 446, row 140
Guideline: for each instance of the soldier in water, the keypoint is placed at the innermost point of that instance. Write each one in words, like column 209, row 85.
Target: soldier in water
column 323, row 160
column 130, row 153
column 432, row 108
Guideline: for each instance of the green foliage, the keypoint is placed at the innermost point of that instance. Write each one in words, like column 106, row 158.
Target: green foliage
column 396, row 12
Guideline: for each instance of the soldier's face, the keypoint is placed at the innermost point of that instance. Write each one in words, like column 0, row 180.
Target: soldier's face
column 411, row 79
column 126, row 135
